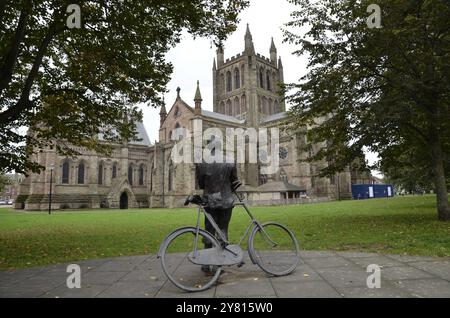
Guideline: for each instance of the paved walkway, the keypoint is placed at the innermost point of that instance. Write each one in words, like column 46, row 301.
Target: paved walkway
column 320, row 274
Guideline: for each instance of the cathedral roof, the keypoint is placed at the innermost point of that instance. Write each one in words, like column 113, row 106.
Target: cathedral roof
column 220, row 116
column 141, row 133
column 274, row 117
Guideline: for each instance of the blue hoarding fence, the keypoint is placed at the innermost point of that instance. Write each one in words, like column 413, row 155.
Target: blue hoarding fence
column 370, row 191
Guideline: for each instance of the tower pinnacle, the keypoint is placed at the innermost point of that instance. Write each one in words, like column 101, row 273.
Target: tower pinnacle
column 220, row 56
column 273, row 53
column 198, row 100
column 272, row 46
column 162, row 114
column 249, row 48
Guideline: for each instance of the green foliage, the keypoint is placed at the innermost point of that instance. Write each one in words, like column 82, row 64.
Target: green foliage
column 72, row 84
column 407, row 173
column 385, row 89
column 400, row 225
column 4, row 180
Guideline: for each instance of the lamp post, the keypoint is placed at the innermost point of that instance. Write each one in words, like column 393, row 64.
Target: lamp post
column 52, row 166
column 338, row 187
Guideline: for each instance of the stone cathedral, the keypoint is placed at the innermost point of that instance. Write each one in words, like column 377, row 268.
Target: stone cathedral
column 141, row 174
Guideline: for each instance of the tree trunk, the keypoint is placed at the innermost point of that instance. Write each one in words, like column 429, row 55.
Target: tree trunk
column 437, row 162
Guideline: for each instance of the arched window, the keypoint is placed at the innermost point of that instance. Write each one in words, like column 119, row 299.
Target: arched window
column 276, row 107
column 243, row 104
column 269, row 86
column 242, row 74
column 259, row 105
column 81, row 173
column 65, row 172
column 141, row 175
column 283, row 176
column 130, row 175
column 262, row 179
column 152, row 169
column 222, row 108
column 177, row 125
column 229, row 83
column 333, row 179
column 261, row 78
column 222, row 83
column 271, row 110
column 114, row 171
column 310, row 152
column 237, row 78
column 100, row 173
column 264, row 105
column 177, row 112
column 237, row 107
column 229, row 108
column 170, row 176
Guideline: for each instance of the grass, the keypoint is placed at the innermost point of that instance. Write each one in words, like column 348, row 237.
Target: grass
column 401, row 225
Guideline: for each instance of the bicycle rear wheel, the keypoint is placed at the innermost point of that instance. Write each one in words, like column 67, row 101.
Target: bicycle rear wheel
column 274, row 249
column 176, row 264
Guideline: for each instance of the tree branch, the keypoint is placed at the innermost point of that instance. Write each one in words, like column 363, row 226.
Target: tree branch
column 23, row 103
column 2, row 8
column 11, row 58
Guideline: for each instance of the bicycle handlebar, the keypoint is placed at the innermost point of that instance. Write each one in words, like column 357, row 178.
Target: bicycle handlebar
column 199, row 200
column 196, row 199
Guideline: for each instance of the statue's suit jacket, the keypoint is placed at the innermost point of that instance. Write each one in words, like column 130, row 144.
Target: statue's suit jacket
column 216, row 180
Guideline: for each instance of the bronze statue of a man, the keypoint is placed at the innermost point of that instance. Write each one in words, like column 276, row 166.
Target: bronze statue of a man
column 217, row 181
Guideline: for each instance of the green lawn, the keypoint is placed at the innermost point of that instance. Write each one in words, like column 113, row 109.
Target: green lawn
column 396, row 225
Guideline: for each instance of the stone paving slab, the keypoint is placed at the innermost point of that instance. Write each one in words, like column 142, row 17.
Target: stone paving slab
column 62, row 291
column 434, row 287
column 381, row 260
column 329, row 261
column 439, row 269
column 404, row 272
column 320, row 274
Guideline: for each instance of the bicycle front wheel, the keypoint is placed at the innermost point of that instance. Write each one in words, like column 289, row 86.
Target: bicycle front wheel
column 274, row 248
column 176, row 264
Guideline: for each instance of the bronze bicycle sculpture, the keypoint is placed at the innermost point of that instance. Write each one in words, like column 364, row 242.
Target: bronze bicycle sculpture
column 272, row 246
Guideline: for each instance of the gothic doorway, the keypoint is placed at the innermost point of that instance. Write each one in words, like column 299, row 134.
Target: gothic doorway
column 124, row 200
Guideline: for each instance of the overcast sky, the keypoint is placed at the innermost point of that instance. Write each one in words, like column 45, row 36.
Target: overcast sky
column 193, row 59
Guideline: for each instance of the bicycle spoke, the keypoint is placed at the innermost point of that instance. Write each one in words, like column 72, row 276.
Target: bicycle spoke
column 274, row 248
column 178, row 266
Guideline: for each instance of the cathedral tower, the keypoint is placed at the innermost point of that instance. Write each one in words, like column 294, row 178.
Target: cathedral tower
column 245, row 86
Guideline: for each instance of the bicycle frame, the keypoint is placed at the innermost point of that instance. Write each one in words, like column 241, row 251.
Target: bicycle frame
column 222, row 236
column 222, row 252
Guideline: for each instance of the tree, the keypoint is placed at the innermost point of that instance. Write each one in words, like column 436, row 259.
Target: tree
column 386, row 88
column 4, row 181
column 71, row 84
column 407, row 172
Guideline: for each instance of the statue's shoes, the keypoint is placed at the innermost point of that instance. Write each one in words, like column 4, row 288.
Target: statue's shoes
column 210, row 270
